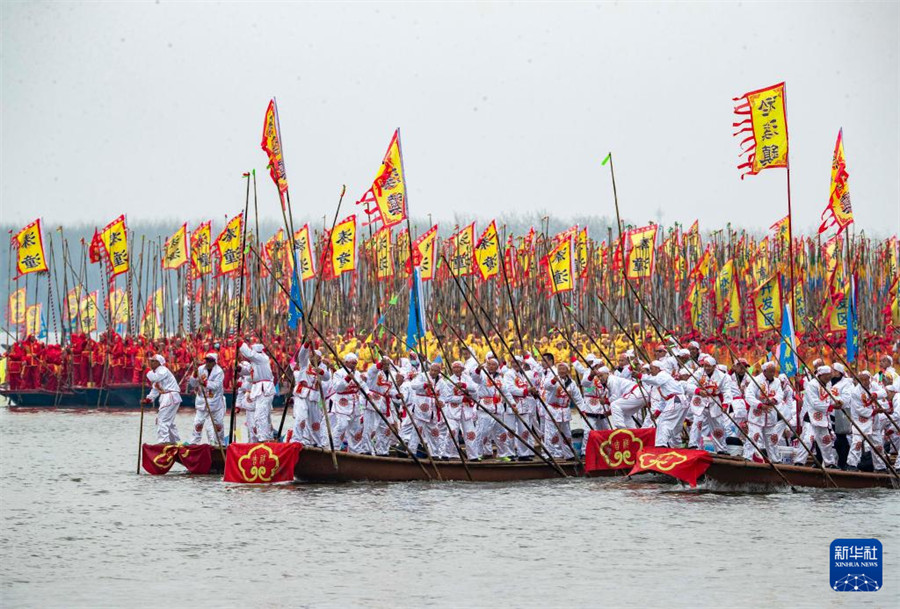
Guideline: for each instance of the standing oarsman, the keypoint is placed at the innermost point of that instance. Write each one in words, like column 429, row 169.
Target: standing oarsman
column 490, row 397
column 740, row 381
column 626, row 399
column 818, row 401
column 556, row 396
column 596, row 399
column 673, row 405
column 381, row 392
column 427, row 389
column 708, row 386
column 310, row 377
column 520, row 384
column 763, row 398
column 164, row 386
column 245, row 384
column 209, row 402
column 459, row 408
column 346, row 402
column 263, row 390
column 866, row 403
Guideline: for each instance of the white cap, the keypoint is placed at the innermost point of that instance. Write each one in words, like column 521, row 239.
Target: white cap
column 694, row 344
column 708, row 360
column 257, row 348
column 684, row 353
column 603, row 370
column 768, row 365
column 351, row 357
column 839, row 367
column 864, row 373
column 823, row 370
column 159, row 358
column 591, row 358
column 645, row 366
column 212, row 355
column 722, row 367
column 629, row 353
column 459, row 363
column 656, row 364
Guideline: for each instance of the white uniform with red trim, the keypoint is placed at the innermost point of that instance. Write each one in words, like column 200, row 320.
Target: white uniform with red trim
column 862, row 409
column 208, row 387
column 596, row 403
column 626, row 401
column 738, row 402
column 557, row 397
column 310, row 382
column 459, row 407
column 707, row 394
column 381, row 391
column 426, row 392
column 489, row 432
column 817, row 402
column 263, row 390
column 762, row 422
column 517, row 385
column 674, row 407
column 164, row 386
column 346, row 410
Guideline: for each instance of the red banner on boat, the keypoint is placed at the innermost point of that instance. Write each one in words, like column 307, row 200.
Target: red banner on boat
column 158, row 459
column 616, row 448
column 683, row 463
column 261, row 463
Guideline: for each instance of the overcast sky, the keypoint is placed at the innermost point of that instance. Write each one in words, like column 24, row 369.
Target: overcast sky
column 155, row 109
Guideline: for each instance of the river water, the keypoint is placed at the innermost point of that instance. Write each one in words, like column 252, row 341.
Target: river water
column 80, row 529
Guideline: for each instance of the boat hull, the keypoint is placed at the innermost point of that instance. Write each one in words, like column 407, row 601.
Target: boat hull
column 738, row 472
column 113, row 396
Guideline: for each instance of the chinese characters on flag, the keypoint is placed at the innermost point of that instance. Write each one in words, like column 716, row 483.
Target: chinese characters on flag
column 767, row 303
column 343, row 246
column 271, row 143
column 304, row 253
column 389, row 188
column 425, row 251
column 487, row 252
column 384, row 263
column 641, row 243
column 201, row 261
column 763, row 123
column 175, row 251
column 29, row 244
column 16, row 306
column 228, row 244
column 559, row 267
column 838, row 212
column 463, row 251
column 114, row 241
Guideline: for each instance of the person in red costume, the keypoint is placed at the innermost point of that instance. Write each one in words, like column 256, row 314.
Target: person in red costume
column 14, row 360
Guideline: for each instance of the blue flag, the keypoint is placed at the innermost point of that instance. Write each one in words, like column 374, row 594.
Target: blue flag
column 787, row 358
column 415, row 327
column 295, row 312
column 852, row 332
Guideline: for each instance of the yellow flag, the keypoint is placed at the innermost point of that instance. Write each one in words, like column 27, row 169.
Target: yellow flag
column 228, row 245
column 29, row 244
column 74, row 300
column 176, row 249
column 581, row 253
column 151, row 321
column 839, row 211
column 732, row 318
column 118, row 306
column 487, row 252
column 304, row 253
column 115, row 241
column 724, row 283
column 33, row 320
column 403, row 252
column 800, row 307
column 88, row 312
column 559, row 267
column 343, row 246
column 764, row 128
column 17, row 306
column 837, row 317
column 463, row 246
column 384, row 263
column 695, row 303
column 767, row 302
column 782, row 230
column 425, row 252
column 640, row 257
column 389, row 187
column 201, row 261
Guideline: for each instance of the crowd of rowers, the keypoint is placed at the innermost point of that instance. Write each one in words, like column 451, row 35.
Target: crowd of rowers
column 490, row 407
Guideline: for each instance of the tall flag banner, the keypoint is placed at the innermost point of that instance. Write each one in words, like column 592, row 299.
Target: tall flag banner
column 34, row 321
column 17, row 306
column 800, row 306
column 73, row 297
column 838, row 212
column 724, row 283
column 402, row 249
column 114, row 239
column 852, row 325
column 117, row 301
column 559, row 267
column 838, row 309
column 415, row 327
column 384, row 262
column 763, row 121
column 343, row 246
column 88, row 312
column 787, row 353
column 581, row 253
column 295, row 312
column 228, row 244
column 175, row 250
column 29, row 244
column 695, row 304
column 487, row 252
column 388, row 190
column 304, row 258
column 271, row 144
column 701, row 269
column 767, row 304
column 463, row 251
column 151, row 322
column 782, row 230
column 425, row 251
column 641, row 244
column 201, row 260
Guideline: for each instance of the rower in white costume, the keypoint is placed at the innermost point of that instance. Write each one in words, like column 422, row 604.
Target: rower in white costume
column 245, row 384
column 164, row 387
column 674, row 405
column 311, row 379
column 706, row 389
column 346, row 406
column 490, row 396
column 427, row 389
column 818, row 400
column 262, row 391
column 381, row 392
column 740, row 380
column 521, row 384
column 596, row 400
column 763, row 397
column 558, row 395
column 867, row 401
column 626, row 398
column 459, row 407
column 669, row 363
column 209, row 402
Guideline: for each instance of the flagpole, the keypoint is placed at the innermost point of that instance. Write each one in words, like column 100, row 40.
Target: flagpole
column 420, row 323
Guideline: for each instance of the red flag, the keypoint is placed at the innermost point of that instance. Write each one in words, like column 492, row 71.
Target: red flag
column 158, row 459
column 616, row 448
column 682, row 463
column 261, row 463
column 95, row 248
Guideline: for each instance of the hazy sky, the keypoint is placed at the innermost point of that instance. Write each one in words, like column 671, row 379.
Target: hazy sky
column 155, row 109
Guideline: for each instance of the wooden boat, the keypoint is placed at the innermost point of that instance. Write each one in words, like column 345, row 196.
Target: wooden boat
column 316, row 465
column 735, row 471
column 124, row 396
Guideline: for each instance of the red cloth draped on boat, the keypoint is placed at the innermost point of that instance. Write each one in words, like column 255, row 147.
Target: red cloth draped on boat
column 261, row 463
column 616, row 448
column 683, row 463
column 157, row 459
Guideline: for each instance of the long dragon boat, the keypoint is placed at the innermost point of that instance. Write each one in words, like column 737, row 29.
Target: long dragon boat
column 124, row 396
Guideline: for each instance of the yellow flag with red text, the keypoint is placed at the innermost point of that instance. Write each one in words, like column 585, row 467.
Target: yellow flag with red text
column 304, row 253
column 343, row 246
column 29, row 244
column 839, row 211
column 33, row 319
column 17, row 306
column 487, row 252
column 763, row 125
column 175, row 251
column 389, row 187
column 88, row 312
column 271, row 144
